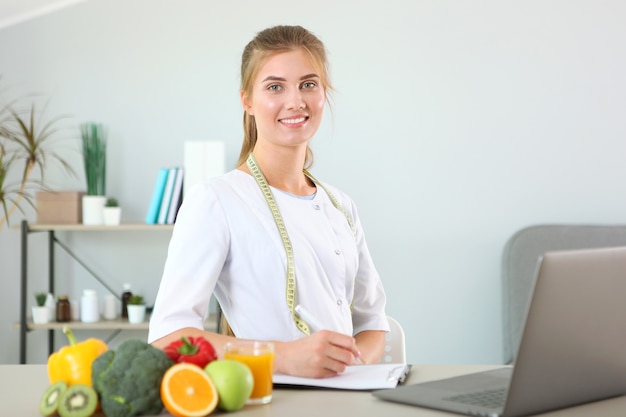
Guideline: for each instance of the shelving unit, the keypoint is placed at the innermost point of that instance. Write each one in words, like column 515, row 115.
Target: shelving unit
column 25, row 324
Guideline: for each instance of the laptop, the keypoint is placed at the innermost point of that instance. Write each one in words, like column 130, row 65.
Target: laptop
column 572, row 350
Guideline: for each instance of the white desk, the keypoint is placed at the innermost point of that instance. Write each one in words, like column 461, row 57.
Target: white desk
column 21, row 388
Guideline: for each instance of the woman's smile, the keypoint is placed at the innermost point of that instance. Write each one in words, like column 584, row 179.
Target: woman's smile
column 294, row 122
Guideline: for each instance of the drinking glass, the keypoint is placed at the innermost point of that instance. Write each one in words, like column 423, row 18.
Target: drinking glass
column 259, row 356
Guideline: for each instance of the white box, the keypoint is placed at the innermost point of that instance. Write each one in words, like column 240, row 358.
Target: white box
column 202, row 160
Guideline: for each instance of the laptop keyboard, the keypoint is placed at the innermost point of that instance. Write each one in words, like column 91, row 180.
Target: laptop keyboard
column 493, row 398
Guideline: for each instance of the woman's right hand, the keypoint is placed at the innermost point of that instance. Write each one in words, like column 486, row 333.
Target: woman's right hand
column 320, row 355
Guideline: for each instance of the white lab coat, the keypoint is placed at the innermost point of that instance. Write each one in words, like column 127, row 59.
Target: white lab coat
column 225, row 241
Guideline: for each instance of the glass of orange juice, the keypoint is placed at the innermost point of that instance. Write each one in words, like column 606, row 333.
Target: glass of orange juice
column 259, row 356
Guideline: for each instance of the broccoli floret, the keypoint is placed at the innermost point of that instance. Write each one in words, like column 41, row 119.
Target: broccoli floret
column 128, row 380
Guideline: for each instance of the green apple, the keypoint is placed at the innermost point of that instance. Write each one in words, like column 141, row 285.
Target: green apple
column 233, row 381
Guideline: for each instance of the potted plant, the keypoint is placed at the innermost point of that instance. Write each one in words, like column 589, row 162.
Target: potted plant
column 136, row 309
column 112, row 212
column 27, row 147
column 40, row 310
column 94, row 139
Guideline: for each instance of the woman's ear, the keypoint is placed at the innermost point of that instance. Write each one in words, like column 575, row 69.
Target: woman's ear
column 245, row 102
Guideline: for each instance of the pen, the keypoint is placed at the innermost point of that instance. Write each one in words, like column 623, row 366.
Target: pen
column 314, row 324
column 304, row 314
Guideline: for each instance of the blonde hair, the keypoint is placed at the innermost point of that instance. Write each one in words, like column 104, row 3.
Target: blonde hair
column 266, row 44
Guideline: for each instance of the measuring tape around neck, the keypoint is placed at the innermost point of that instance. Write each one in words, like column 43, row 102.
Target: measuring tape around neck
column 282, row 230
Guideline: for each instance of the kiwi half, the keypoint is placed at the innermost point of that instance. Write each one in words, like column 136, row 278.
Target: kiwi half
column 50, row 400
column 78, row 401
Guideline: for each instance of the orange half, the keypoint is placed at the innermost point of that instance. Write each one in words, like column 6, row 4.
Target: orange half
column 187, row 391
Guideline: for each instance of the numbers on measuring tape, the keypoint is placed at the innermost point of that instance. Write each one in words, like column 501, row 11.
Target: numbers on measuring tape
column 282, row 230
column 278, row 219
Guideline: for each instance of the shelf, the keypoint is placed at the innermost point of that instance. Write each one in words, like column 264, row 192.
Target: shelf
column 99, row 228
column 79, row 325
column 115, row 326
column 119, row 324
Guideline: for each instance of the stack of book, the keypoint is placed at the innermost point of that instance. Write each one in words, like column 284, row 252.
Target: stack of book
column 166, row 197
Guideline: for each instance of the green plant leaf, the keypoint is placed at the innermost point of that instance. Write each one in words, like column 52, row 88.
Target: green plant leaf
column 94, row 139
column 27, row 146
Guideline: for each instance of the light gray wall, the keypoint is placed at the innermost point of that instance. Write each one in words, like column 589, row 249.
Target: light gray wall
column 455, row 124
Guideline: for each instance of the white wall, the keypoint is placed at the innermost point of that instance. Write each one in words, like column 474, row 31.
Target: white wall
column 455, row 124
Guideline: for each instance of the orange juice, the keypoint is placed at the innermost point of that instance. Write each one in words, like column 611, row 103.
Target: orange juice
column 259, row 357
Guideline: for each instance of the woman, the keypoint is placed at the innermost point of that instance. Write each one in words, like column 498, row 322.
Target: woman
column 268, row 236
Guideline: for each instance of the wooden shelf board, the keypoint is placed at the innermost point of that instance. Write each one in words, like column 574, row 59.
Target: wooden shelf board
column 119, row 324
column 99, row 228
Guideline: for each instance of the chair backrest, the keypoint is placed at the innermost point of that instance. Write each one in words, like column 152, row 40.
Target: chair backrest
column 395, row 350
column 519, row 266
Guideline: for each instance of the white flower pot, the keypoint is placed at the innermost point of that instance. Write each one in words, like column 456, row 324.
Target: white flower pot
column 136, row 313
column 93, row 209
column 112, row 216
column 40, row 315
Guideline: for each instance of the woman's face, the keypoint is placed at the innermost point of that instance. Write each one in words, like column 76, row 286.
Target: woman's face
column 287, row 100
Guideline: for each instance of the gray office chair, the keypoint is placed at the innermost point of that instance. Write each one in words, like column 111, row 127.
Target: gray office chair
column 519, row 264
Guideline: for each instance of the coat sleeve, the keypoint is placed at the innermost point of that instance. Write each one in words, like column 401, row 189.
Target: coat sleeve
column 196, row 255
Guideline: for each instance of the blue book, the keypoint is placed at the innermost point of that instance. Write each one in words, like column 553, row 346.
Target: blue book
column 157, row 196
column 167, row 196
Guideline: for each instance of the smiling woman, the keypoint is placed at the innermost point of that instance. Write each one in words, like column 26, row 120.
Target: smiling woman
column 269, row 225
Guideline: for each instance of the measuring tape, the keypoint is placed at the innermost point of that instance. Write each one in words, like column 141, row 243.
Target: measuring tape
column 282, row 230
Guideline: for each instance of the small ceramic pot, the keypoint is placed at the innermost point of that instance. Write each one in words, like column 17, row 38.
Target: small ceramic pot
column 40, row 315
column 112, row 216
column 136, row 313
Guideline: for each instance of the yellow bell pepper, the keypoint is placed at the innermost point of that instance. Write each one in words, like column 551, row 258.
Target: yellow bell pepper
column 72, row 364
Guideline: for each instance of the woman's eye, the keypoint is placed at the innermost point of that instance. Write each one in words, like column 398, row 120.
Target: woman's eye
column 274, row 87
column 309, row 84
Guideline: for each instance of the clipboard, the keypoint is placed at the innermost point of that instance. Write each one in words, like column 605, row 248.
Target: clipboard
column 357, row 377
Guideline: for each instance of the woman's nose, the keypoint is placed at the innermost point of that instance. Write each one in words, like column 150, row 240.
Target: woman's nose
column 296, row 101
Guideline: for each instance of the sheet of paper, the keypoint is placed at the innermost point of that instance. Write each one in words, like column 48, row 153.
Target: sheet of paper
column 358, row 377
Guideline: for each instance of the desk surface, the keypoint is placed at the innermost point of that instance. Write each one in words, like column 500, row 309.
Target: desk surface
column 21, row 388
